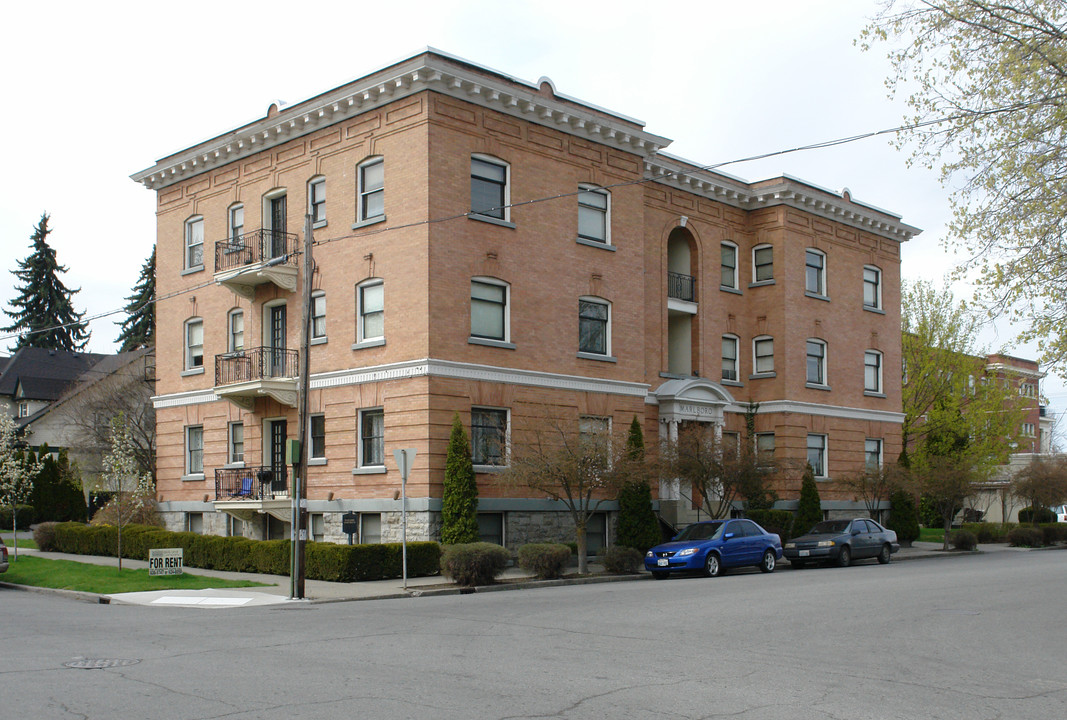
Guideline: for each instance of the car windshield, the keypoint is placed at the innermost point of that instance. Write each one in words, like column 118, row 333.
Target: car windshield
column 831, row 527
column 701, row 531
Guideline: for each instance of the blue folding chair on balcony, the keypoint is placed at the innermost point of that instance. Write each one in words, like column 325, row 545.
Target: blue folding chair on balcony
column 245, row 491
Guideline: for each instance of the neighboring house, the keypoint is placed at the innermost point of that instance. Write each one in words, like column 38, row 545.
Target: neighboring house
column 34, row 378
column 79, row 419
column 488, row 246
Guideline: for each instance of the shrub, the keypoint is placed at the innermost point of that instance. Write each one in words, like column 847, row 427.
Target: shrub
column 903, row 519
column 545, row 560
column 459, row 501
column 1053, row 533
column 637, row 525
column 1044, row 515
column 1025, row 537
column 23, row 517
column 990, row 532
column 773, row 521
column 963, row 540
column 621, row 559
column 57, row 492
column 44, row 534
column 809, row 510
column 471, row 564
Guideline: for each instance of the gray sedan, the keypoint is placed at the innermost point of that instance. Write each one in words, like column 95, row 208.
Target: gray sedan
column 841, row 542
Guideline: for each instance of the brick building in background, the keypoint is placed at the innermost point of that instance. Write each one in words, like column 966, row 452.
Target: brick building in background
column 487, row 246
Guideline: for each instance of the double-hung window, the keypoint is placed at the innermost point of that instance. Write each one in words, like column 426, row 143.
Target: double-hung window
column 729, row 358
column 815, row 272
column 371, row 203
column 817, row 454
column 872, row 454
column 317, row 200
column 728, row 277
column 489, row 310
column 318, row 316
column 765, row 447
column 489, row 429
column 235, row 443
column 194, row 344
column 763, row 355
column 489, row 188
column 762, row 263
column 194, row 243
column 370, row 315
column 872, row 371
column 872, row 288
column 317, row 437
column 235, row 333
column 816, row 362
column 594, row 326
column 372, row 437
column 236, row 221
column 194, row 450
column 593, row 206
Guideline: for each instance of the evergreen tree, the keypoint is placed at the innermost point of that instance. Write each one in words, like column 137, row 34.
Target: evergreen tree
column 139, row 327
column 637, row 526
column 57, row 494
column 902, row 517
column 459, row 502
column 809, row 511
column 43, row 315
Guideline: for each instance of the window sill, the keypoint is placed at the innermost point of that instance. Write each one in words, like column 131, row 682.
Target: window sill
column 376, row 342
column 732, row 290
column 369, row 470
column 190, row 271
column 368, row 222
column 596, row 244
column 491, row 343
column 761, row 376
column 194, row 371
column 490, row 220
column 594, row 356
column 193, row 477
column 318, row 341
column 761, row 283
column 731, row 383
column 871, row 393
column 234, row 465
column 490, row 469
column 817, row 386
column 816, row 296
column 876, row 311
column 675, row 376
column 316, row 461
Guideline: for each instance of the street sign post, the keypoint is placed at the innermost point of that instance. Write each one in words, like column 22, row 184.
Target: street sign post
column 404, row 460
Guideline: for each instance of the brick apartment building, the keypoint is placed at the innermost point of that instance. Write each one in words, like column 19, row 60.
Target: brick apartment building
column 487, row 246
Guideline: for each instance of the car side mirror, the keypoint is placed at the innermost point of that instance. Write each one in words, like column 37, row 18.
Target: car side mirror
column 856, row 532
column 727, row 536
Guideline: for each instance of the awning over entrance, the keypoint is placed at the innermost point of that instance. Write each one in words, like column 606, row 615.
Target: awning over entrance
column 697, row 399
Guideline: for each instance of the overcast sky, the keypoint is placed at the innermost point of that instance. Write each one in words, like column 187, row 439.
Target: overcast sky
column 93, row 92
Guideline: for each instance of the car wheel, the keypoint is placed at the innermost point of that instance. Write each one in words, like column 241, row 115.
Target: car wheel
column 660, row 574
column 844, row 558
column 886, row 554
column 768, row 562
column 713, row 565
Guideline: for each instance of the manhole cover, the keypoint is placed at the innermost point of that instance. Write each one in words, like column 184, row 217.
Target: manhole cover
column 99, row 663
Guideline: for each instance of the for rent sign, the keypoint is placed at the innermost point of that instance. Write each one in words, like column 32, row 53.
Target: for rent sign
column 165, row 561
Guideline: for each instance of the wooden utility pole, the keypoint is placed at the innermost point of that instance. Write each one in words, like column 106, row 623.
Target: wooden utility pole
column 299, row 523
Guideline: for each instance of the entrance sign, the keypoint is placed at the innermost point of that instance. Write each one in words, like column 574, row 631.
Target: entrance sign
column 165, row 561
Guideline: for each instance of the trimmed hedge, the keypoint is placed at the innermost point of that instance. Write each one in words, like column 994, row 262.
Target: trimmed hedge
column 23, row 517
column 323, row 561
column 773, row 521
column 963, row 540
column 621, row 559
column 471, row 564
column 1026, row 537
column 990, row 532
column 545, row 560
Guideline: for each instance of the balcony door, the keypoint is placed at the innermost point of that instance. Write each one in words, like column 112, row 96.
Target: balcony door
column 276, row 341
column 276, row 434
column 277, row 226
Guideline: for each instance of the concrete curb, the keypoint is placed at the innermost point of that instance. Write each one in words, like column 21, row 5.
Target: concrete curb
column 78, row 595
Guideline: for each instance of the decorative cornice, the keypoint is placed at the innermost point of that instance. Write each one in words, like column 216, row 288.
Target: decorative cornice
column 839, row 207
column 1015, row 370
column 836, row 411
column 428, row 70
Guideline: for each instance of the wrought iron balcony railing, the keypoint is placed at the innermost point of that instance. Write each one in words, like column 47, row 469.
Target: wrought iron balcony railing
column 262, row 363
column 251, row 483
column 681, row 287
column 256, row 246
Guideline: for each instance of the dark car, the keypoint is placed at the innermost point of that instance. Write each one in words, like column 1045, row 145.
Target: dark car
column 713, row 546
column 841, row 542
column 3, row 557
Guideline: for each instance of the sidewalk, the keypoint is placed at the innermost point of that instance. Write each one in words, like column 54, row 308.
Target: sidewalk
column 276, row 590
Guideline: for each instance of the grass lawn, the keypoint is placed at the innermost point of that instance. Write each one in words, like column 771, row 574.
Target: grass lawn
column 932, row 535
column 23, row 543
column 103, row 579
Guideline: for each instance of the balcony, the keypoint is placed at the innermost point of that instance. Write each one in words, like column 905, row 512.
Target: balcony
column 243, row 376
column 246, row 261
column 681, row 287
column 249, row 491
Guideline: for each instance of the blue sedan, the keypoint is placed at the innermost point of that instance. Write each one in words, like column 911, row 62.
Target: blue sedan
column 713, row 546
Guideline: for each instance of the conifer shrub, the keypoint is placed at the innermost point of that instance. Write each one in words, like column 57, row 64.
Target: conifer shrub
column 903, row 520
column 963, row 540
column 637, row 526
column 546, row 561
column 470, row 564
column 809, row 509
column 23, row 517
column 621, row 559
column 1043, row 515
column 459, row 499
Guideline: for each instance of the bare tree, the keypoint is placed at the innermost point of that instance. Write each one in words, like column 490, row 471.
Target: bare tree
column 874, row 485
column 1042, row 483
column 122, row 479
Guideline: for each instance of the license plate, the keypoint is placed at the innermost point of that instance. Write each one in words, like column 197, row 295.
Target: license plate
column 662, row 562
column 805, row 553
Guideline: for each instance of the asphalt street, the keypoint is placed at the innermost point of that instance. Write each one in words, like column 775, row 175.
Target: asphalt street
column 975, row 636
